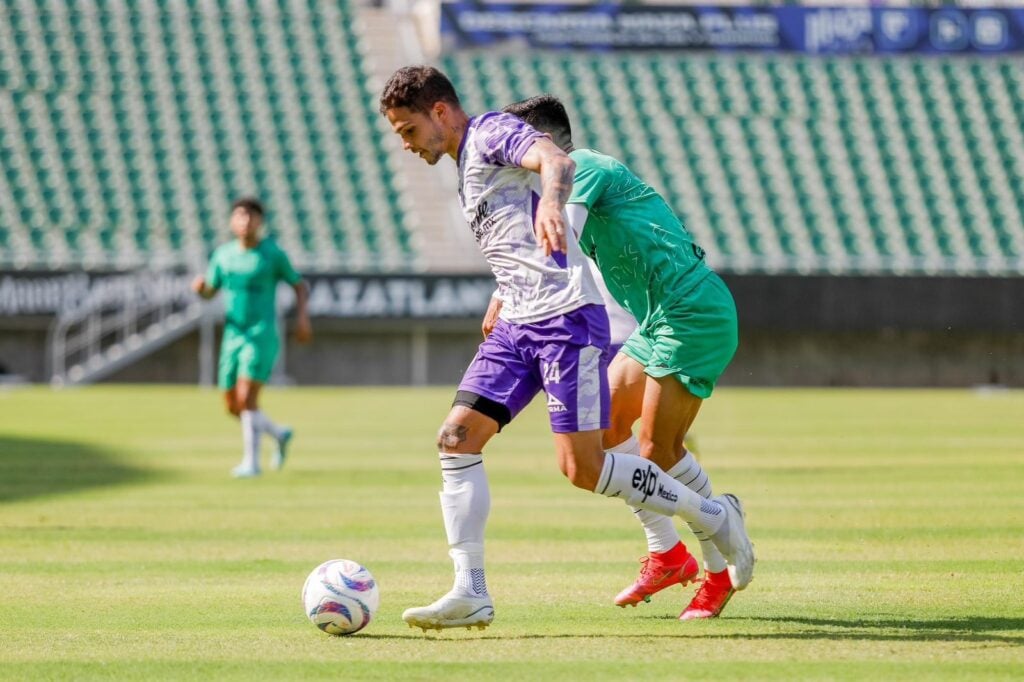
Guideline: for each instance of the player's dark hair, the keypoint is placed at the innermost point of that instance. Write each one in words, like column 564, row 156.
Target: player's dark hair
column 417, row 88
column 546, row 113
column 250, row 204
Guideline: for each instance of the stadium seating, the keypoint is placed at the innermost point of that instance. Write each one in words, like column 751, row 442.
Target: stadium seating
column 800, row 164
column 126, row 128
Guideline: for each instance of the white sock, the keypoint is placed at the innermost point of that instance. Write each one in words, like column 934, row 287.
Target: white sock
column 465, row 504
column 264, row 424
column 250, row 440
column 690, row 473
column 660, row 529
column 630, row 446
column 641, row 483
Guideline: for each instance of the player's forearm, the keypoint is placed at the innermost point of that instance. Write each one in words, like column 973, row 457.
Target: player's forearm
column 301, row 299
column 491, row 316
column 556, row 180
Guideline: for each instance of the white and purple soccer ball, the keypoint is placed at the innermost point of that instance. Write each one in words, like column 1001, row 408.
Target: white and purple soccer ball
column 340, row 597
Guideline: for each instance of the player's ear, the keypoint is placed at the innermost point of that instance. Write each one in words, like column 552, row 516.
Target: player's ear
column 440, row 111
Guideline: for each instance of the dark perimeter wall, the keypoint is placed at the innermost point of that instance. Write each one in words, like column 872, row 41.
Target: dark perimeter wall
column 794, row 331
column 878, row 331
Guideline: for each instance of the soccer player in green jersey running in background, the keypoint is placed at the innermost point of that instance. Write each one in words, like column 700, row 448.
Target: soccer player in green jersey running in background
column 248, row 270
column 686, row 336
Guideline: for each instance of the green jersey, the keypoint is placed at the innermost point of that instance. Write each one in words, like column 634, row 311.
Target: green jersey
column 644, row 253
column 248, row 278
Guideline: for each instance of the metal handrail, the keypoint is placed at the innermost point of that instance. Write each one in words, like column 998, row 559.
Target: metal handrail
column 117, row 314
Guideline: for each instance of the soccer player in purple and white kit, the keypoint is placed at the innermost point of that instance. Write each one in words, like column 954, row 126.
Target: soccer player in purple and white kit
column 552, row 335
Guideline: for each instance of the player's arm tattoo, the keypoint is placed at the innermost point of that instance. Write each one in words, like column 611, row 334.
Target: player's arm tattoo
column 556, row 170
column 556, row 178
column 451, row 436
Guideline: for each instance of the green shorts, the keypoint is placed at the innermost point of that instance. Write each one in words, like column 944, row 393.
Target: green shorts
column 693, row 337
column 248, row 357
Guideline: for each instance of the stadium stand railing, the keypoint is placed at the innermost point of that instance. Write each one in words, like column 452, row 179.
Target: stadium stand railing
column 137, row 314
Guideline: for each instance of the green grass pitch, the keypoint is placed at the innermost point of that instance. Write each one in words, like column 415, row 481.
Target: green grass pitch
column 889, row 527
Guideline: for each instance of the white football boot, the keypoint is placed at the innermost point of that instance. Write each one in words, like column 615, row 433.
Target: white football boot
column 452, row 611
column 245, row 471
column 734, row 543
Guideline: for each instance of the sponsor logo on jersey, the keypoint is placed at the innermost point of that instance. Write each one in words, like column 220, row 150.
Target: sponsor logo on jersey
column 482, row 220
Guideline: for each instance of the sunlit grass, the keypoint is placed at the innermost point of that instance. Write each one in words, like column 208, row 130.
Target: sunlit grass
column 889, row 526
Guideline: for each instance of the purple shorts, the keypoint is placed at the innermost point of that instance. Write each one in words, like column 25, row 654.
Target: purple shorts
column 566, row 356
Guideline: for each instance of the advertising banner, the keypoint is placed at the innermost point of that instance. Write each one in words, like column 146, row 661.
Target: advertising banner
column 815, row 30
column 338, row 296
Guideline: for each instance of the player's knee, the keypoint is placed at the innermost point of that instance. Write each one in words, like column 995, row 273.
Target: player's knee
column 583, row 478
column 452, row 438
column 232, row 406
column 583, row 470
column 568, row 470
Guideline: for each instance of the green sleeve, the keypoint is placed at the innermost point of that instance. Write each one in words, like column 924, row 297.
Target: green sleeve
column 285, row 271
column 590, row 180
column 214, row 272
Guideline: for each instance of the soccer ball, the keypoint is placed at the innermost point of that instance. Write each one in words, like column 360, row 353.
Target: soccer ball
column 340, row 597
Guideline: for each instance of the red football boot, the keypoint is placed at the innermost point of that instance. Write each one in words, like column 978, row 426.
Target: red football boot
column 712, row 596
column 660, row 570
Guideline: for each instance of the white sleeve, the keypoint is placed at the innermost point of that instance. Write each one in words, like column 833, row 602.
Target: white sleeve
column 576, row 217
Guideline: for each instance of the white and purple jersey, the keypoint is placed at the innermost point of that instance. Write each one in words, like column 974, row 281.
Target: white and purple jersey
column 499, row 200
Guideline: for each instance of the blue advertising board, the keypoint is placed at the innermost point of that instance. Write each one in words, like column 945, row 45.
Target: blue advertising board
column 816, row 30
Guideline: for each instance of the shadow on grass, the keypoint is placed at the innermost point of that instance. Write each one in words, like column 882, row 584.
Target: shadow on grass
column 890, row 628
column 895, row 629
column 899, row 628
column 36, row 467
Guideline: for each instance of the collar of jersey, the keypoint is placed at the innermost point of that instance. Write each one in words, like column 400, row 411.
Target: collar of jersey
column 462, row 142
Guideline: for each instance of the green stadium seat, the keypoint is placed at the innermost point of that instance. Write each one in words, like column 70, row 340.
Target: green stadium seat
column 902, row 161
column 150, row 90
column 124, row 119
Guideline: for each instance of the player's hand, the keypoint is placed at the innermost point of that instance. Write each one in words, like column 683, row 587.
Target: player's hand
column 303, row 330
column 491, row 316
column 549, row 228
column 199, row 285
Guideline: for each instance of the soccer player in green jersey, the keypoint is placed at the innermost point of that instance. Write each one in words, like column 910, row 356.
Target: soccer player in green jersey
column 248, row 270
column 686, row 336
